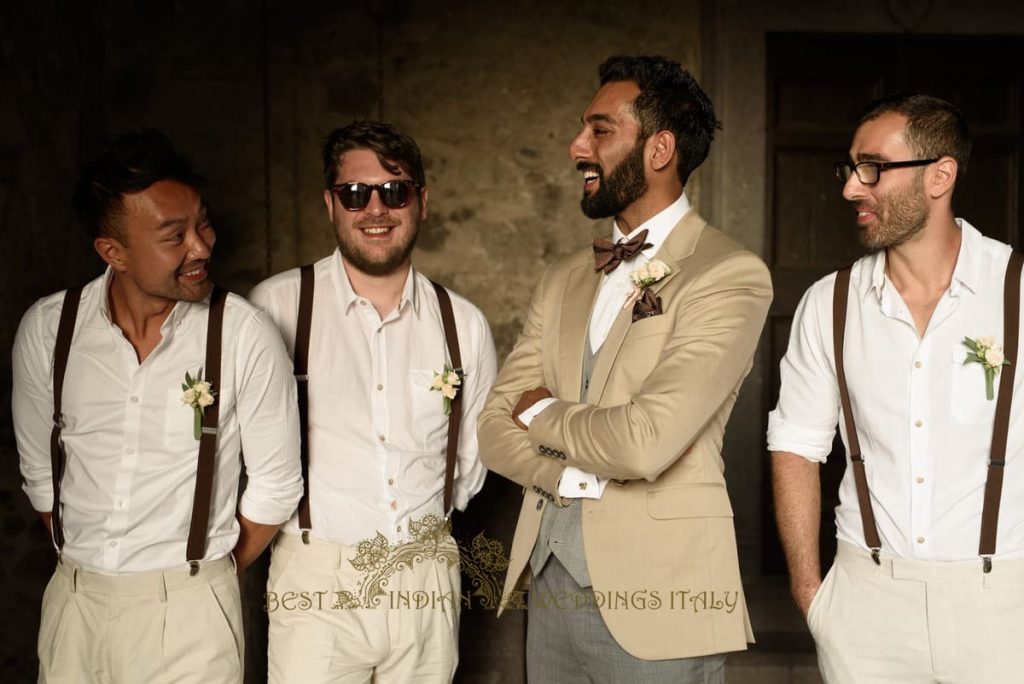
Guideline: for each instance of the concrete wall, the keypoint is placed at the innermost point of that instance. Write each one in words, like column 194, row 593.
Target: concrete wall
column 492, row 92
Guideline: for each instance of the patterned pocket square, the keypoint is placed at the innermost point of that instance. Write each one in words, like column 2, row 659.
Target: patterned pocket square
column 648, row 305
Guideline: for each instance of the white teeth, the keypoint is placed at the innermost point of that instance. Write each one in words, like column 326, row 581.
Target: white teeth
column 377, row 231
column 589, row 175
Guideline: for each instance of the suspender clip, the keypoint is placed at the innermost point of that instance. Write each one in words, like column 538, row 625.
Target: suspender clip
column 997, row 462
column 857, row 458
column 874, row 556
column 209, row 430
column 301, row 377
column 986, row 564
column 305, row 537
column 193, row 568
column 58, row 421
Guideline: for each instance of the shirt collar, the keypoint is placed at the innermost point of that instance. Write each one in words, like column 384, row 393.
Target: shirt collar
column 965, row 273
column 349, row 297
column 177, row 313
column 658, row 226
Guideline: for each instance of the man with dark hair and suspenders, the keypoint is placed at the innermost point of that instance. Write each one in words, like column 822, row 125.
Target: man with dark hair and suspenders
column 913, row 352
column 133, row 396
column 392, row 373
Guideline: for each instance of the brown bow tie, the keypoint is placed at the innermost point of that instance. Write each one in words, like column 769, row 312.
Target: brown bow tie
column 608, row 256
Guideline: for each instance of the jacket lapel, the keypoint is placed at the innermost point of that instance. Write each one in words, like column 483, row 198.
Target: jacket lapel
column 577, row 305
column 679, row 245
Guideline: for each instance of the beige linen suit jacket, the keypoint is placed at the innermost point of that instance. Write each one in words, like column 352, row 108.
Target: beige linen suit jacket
column 660, row 544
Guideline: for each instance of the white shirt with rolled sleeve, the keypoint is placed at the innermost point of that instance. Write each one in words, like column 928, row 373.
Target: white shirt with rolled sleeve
column 923, row 420
column 377, row 432
column 131, row 462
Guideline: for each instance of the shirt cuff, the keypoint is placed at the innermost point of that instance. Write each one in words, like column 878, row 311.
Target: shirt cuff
column 267, row 510
column 814, row 445
column 534, row 410
column 579, row 484
column 41, row 497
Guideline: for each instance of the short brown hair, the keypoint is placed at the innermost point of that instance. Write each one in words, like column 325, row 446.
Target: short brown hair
column 394, row 149
column 935, row 128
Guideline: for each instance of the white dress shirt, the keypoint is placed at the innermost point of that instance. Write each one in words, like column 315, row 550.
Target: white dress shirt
column 377, row 432
column 612, row 294
column 924, row 424
column 131, row 452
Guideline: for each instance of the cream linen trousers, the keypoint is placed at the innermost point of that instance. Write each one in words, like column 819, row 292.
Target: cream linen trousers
column 411, row 636
column 143, row 628
column 911, row 621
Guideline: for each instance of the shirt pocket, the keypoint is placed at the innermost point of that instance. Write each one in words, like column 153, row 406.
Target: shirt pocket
column 429, row 421
column 967, row 390
column 179, row 430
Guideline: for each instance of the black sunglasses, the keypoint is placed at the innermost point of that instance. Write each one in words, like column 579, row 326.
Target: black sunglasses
column 868, row 172
column 394, row 194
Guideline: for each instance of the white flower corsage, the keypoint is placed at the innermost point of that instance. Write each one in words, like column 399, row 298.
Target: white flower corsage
column 198, row 394
column 644, row 277
column 985, row 351
column 447, row 382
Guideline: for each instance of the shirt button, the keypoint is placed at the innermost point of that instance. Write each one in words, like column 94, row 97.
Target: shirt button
column 380, row 387
column 129, row 451
column 917, row 364
column 540, row 504
column 391, row 480
column 120, row 504
column 380, row 437
column 399, row 528
column 918, row 423
column 920, row 540
column 135, row 399
column 920, row 480
column 394, row 505
column 112, row 544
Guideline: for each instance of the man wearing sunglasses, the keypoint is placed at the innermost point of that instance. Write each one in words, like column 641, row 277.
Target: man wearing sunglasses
column 380, row 387
column 611, row 408
column 912, row 352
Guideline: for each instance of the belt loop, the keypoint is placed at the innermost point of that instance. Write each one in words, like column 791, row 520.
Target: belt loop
column 162, row 586
column 234, row 563
column 74, row 580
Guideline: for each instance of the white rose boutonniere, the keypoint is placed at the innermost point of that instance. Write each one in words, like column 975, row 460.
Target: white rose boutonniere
column 985, row 351
column 198, row 394
column 448, row 382
column 644, row 277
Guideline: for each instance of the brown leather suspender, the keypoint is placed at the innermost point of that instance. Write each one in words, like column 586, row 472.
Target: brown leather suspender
column 997, row 454
column 1000, row 429
column 196, row 547
column 301, row 363
column 867, row 515
column 451, row 338
column 61, row 350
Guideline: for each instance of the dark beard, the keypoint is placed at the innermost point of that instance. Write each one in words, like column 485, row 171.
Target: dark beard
column 623, row 186
column 389, row 264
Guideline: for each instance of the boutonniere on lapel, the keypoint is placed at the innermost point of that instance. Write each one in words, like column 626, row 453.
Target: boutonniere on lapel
column 642, row 299
column 985, row 351
column 198, row 394
column 447, row 382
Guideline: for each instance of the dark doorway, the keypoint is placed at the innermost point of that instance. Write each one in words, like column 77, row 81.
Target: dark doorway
column 817, row 83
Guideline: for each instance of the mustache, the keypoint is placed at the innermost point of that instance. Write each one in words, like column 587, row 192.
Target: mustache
column 377, row 222
column 589, row 166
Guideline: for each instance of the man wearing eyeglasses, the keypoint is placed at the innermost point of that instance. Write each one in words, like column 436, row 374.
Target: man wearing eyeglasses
column 381, row 377
column 611, row 408
column 912, row 352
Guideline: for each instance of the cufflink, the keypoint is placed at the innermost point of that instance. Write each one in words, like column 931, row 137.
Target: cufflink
column 583, row 485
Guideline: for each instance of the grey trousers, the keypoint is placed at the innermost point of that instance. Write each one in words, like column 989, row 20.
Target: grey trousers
column 567, row 642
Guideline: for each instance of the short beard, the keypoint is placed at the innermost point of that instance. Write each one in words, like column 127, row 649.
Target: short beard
column 623, row 186
column 900, row 216
column 393, row 259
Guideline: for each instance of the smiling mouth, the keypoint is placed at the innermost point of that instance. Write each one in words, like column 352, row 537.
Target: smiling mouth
column 375, row 231
column 195, row 275
column 591, row 179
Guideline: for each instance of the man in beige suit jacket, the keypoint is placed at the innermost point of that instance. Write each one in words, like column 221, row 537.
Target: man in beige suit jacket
column 611, row 408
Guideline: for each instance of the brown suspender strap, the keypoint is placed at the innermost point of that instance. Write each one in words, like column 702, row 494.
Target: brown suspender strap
column 196, row 549
column 301, row 364
column 451, row 337
column 867, row 515
column 1001, row 426
column 61, row 350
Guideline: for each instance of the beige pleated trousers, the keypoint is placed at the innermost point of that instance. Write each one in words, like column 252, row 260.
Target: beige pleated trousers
column 910, row 622
column 411, row 636
column 144, row 628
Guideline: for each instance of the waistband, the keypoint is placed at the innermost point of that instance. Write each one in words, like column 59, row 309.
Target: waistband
column 157, row 583
column 338, row 555
column 854, row 557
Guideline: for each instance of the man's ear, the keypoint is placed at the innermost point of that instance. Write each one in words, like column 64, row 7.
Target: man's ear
column 662, row 147
column 112, row 251
column 942, row 177
column 330, row 205
column 423, row 203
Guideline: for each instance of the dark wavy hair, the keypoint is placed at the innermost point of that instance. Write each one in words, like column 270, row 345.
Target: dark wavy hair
column 394, row 149
column 130, row 163
column 669, row 100
column 935, row 128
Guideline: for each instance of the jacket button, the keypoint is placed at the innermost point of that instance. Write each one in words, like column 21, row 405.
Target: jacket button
column 540, row 504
